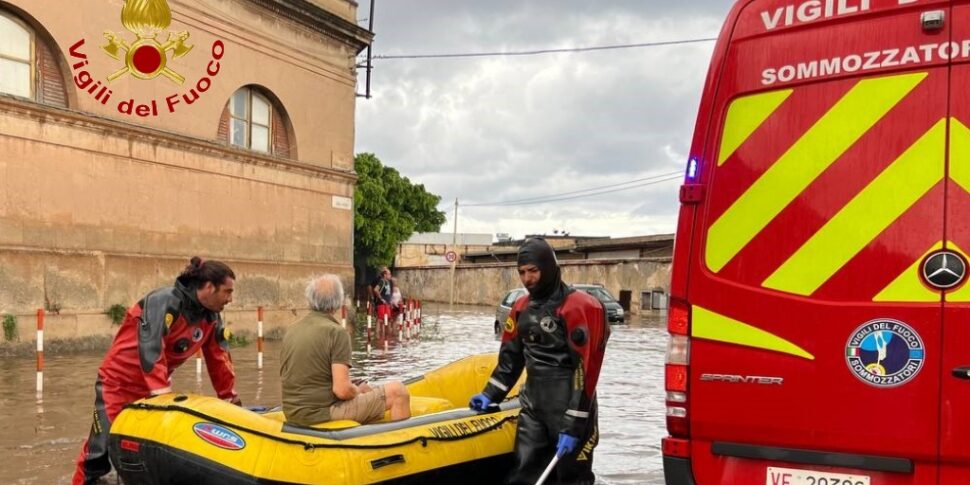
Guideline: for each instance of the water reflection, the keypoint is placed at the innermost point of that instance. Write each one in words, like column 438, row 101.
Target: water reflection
column 43, row 433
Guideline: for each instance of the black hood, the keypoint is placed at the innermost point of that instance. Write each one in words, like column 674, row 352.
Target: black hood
column 538, row 252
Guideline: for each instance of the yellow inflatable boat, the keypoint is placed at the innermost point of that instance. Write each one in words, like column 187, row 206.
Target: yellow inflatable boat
column 190, row 439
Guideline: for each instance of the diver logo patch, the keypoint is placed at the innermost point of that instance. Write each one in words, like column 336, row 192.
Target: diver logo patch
column 169, row 318
column 885, row 353
column 509, row 325
column 219, row 436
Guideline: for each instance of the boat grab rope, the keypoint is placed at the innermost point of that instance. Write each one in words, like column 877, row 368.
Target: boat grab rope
column 307, row 446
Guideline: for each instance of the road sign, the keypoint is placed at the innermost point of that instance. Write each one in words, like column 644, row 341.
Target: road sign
column 451, row 256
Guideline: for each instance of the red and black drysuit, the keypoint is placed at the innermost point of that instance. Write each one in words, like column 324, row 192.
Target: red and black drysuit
column 560, row 340
column 159, row 333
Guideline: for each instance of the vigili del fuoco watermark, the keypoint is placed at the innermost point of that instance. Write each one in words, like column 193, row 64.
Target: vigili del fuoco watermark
column 145, row 59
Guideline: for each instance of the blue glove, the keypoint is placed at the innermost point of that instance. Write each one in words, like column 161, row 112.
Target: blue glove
column 567, row 443
column 479, row 402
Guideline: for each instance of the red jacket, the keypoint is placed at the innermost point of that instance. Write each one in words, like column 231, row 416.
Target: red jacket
column 159, row 333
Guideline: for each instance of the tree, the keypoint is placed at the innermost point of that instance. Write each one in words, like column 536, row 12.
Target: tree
column 389, row 208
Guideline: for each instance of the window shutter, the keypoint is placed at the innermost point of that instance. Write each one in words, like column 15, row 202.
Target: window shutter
column 223, row 133
column 281, row 140
column 50, row 83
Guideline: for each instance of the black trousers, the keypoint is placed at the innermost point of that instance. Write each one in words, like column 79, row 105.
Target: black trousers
column 93, row 461
column 544, row 400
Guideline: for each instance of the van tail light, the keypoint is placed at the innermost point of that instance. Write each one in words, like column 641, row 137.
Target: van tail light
column 678, row 317
column 676, row 373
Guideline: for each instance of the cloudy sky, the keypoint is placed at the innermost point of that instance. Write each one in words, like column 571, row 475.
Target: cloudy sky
column 494, row 130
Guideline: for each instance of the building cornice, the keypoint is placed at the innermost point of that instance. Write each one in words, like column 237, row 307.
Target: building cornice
column 320, row 20
column 49, row 114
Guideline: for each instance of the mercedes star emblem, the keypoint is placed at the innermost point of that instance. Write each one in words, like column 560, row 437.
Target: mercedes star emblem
column 944, row 269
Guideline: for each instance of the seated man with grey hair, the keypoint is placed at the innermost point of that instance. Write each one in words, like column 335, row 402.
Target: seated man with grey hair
column 315, row 367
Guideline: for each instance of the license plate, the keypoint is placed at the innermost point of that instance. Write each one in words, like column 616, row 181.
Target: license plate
column 791, row 476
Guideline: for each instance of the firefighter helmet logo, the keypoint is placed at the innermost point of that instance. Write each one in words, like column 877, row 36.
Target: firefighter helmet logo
column 146, row 58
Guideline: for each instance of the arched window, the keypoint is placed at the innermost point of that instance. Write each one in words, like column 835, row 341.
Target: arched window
column 28, row 66
column 16, row 58
column 249, row 128
column 254, row 119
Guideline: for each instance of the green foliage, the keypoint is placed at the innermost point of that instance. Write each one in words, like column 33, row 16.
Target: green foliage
column 10, row 327
column 238, row 340
column 117, row 313
column 389, row 208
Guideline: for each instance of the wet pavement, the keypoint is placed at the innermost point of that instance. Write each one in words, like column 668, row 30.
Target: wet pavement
column 40, row 438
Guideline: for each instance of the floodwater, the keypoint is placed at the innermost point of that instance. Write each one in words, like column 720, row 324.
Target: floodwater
column 40, row 438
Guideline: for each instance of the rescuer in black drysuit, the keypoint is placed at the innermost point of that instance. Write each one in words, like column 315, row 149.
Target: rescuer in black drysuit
column 559, row 336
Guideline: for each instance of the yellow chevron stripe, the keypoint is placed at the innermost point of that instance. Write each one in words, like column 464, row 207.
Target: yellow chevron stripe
column 867, row 102
column 744, row 116
column 708, row 325
column 907, row 287
column 873, row 209
column 960, row 153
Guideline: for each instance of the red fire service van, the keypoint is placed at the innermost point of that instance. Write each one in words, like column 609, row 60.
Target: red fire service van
column 820, row 316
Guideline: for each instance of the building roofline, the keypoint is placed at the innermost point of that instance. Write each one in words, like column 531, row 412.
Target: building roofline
column 320, row 20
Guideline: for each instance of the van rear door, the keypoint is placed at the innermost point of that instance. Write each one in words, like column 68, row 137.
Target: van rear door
column 955, row 402
column 813, row 351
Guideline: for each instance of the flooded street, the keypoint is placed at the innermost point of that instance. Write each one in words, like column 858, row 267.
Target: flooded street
column 40, row 438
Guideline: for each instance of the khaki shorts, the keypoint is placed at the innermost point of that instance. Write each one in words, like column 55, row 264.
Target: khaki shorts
column 365, row 408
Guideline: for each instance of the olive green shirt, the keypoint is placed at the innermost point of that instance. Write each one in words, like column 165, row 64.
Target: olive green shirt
column 310, row 347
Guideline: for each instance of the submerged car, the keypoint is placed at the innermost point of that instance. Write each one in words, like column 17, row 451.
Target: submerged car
column 614, row 312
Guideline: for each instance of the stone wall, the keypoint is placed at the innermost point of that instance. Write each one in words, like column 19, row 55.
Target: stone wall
column 486, row 284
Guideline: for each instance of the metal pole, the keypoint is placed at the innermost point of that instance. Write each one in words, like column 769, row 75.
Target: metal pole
column 454, row 248
column 370, row 65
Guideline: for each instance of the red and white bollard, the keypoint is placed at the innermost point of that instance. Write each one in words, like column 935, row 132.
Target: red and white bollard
column 198, row 365
column 417, row 319
column 343, row 316
column 409, row 317
column 259, row 337
column 40, row 351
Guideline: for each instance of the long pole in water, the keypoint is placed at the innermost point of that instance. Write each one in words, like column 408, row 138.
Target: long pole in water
column 549, row 468
column 40, row 351
column 454, row 248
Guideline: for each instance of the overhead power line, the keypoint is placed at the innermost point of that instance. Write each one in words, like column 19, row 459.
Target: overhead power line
column 559, row 198
column 541, row 198
column 541, row 51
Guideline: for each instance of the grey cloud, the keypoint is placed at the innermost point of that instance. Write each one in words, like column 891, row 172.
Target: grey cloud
column 488, row 129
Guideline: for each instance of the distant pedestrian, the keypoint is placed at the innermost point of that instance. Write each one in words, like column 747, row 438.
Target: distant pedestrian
column 382, row 290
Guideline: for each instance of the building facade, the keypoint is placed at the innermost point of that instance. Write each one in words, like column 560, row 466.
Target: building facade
column 431, row 248
column 636, row 270
column 136, row 134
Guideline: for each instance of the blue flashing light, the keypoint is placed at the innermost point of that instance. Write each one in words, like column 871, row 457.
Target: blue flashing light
column 692, row 169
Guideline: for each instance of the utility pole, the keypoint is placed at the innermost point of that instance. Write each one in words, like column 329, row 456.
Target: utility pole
column 454, row 249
